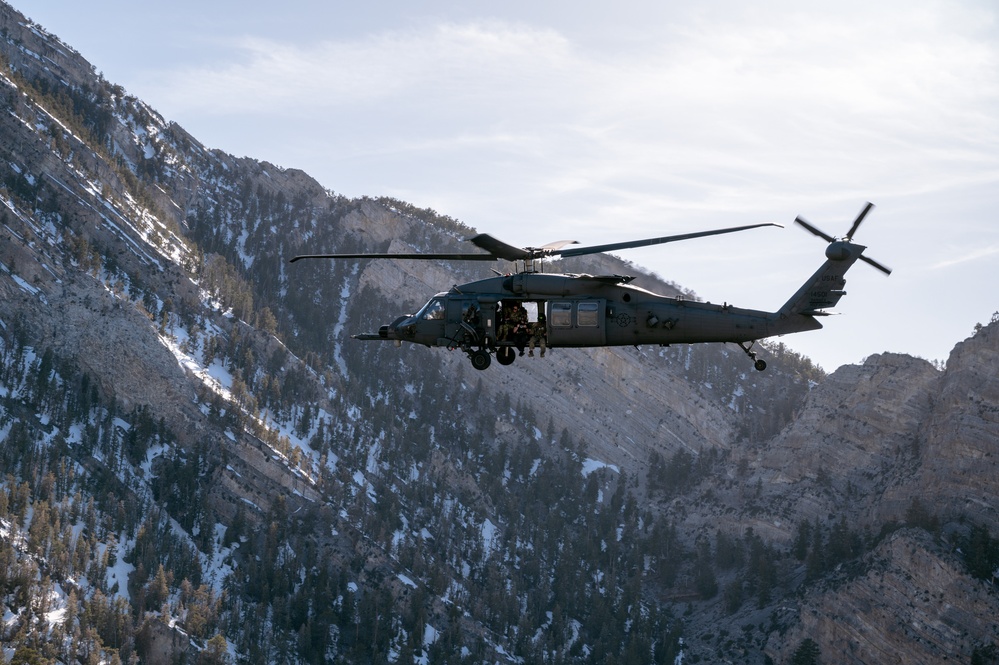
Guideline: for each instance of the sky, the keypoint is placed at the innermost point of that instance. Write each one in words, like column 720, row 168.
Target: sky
column 603, row 122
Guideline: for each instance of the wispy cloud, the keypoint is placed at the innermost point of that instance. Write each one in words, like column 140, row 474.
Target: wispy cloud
column 454, row 63
column 758, row 108
column 967, row 256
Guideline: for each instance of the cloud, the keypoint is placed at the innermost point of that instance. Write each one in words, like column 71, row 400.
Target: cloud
column 452, row 62
column 767, row 106
column 967, row 256
column 750, row 82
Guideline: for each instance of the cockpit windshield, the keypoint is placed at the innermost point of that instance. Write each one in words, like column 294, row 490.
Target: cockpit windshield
column 432, row 311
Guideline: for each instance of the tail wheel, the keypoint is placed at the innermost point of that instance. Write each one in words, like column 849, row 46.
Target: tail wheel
column 747, row 348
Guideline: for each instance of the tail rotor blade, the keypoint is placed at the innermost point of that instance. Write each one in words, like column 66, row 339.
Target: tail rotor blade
column 860, row 218
column 886, row 270
column 822, row 234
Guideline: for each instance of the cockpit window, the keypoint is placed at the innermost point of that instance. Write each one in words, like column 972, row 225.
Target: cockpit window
column 433, row 310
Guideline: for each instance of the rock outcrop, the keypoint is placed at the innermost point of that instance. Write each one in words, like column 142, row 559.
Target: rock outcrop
column 911, row 602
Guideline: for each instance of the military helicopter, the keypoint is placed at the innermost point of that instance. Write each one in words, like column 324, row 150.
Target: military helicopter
column 501, row 315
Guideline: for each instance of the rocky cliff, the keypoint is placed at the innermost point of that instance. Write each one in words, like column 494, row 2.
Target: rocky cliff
column 890, row 443
column 910, row 602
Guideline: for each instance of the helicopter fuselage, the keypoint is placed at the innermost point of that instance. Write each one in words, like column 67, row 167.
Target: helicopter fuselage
column 603, row 314
column 588, row 311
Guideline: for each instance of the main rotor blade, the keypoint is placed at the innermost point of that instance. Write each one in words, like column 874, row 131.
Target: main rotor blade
column 877, row 265
column 414, row 257
column 655, row 241
column 498, row 248
column 860, row 218
column 822, row 234
column 558, row 244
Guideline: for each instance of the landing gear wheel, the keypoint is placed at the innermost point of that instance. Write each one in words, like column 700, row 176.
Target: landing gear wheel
column 480, row 359
column 505, row 355
column 759, row 364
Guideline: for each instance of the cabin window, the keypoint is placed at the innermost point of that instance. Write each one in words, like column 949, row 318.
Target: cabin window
column 586, row 314
column 561, row 315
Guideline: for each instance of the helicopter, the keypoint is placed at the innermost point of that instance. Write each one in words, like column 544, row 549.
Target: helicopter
column 502, row 315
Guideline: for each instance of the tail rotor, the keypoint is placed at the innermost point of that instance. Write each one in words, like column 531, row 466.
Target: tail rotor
column 837, row 245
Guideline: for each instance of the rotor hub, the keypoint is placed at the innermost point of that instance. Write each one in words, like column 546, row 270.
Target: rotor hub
column 839, row 251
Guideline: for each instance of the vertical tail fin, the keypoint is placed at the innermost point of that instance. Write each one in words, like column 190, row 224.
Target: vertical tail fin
column 824, row 288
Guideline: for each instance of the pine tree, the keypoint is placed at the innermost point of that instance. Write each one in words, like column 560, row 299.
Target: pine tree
column 802, row 540
column 158, row 590
column 807, row 653
column 704, row 573
column 215, row 653
column 815, row 563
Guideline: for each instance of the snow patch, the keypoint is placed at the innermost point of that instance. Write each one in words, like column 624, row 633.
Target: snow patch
column 591, row 465
column 489, row 532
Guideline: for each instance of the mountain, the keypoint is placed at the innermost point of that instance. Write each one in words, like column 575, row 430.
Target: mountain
column 199, row 464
